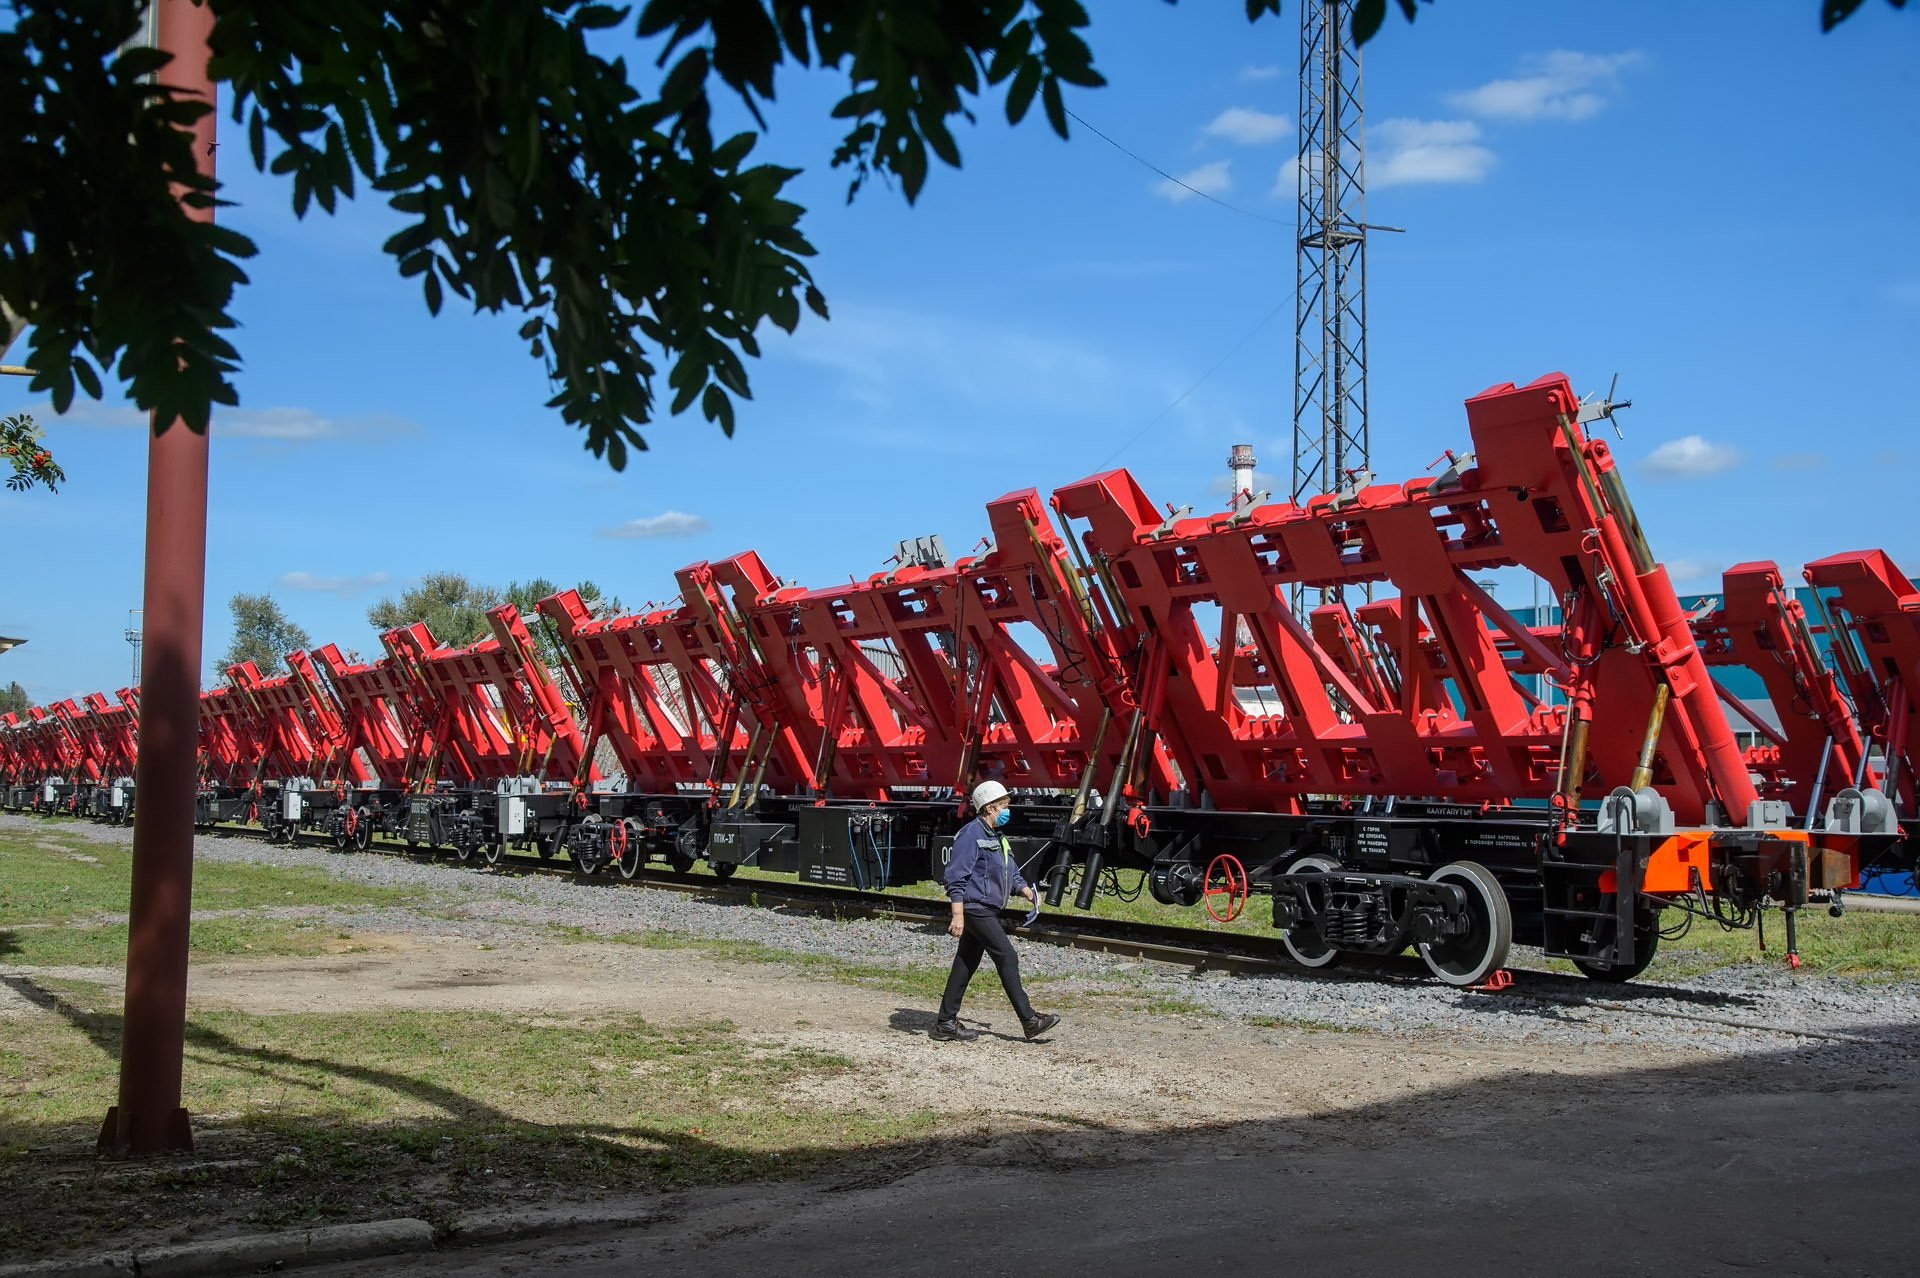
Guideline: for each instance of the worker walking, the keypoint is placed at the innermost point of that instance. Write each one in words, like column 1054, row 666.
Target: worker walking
column 980, row 875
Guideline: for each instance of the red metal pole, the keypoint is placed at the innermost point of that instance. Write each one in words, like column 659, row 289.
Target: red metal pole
column 149, row 1118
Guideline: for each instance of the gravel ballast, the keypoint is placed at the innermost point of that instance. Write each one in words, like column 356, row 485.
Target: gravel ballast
column 1736, row 1010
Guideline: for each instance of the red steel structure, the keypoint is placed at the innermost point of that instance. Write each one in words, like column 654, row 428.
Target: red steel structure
column 1387, row 767
column 380, row 723
column 1419, row 694
column 493, row 709
column 933, row 676
column 1818, row 747
column 1874, row 618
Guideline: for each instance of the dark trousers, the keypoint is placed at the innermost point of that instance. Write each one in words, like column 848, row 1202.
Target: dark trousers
column 984, row 935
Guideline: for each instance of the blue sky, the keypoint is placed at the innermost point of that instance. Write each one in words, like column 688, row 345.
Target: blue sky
column 1713, row 200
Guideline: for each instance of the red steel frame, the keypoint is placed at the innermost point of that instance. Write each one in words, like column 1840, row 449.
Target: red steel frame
column 677, row 694
column 300, row 718
column 1419, row 696
column 1818, row 747
column 1875, row 615
column 1099, row 644
column 237, row 745
column 380, row 720
column 119, row 731
column 490, row 711
column 85, row 751
column 966, row 699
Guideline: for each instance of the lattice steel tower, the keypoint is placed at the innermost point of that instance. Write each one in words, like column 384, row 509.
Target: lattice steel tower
column 1330, row 306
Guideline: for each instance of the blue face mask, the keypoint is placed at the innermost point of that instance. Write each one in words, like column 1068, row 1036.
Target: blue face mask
column 1002, row 817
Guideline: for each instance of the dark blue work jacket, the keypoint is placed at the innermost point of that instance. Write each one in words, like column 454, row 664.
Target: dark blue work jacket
column 981, row 870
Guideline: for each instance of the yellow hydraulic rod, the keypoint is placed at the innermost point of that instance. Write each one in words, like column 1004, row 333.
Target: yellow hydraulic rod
column 1085, row 793
column 746, row 766
column 1643, row 770
column 1574, row 768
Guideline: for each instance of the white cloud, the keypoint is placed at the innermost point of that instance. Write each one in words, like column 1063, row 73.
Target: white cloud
column 671, row 523
column 1256, row 74
column 1688, row 573
column 1248, row 127
column 276, row 425
column 303, row 425
column 1561, row 85
column 1689, row 457
column 345, row 587
column 87, row 412
column 1286, row 183
column 1209, row 179
column 1407, row 152
column 1403, row 132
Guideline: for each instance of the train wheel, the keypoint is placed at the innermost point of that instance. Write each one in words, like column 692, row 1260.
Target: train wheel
column 1470, row 958
column 679, row 862
column 1646, row 943
column 494, row 853
column 629, row 854
column 723, row 869
column 1303, row 942
column 464, row 847
column 363, row 833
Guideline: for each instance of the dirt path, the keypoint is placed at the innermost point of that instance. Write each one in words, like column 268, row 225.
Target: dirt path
column 1130, row 1069
column 1136, row 1140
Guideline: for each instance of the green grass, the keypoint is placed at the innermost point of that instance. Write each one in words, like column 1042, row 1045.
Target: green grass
column 55, row 888
column 311, row 1117
column 51, row 876
column 105, row 945
column 1859, row 944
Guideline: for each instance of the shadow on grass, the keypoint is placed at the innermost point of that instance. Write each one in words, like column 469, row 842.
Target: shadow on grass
column 9, row 942
column 276, row 1169
column 1529, row 1144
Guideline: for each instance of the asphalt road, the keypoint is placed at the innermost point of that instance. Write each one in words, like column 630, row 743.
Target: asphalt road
column 1790, row 1163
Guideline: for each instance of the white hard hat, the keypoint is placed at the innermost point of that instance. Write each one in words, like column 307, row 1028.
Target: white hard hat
column 986, row 792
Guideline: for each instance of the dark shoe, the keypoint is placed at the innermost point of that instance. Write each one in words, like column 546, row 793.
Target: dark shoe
column 954, row 1032
column 1038, row 1024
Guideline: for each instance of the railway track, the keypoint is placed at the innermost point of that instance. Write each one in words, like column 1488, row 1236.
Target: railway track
column 1196, row 950
column 1148, row 942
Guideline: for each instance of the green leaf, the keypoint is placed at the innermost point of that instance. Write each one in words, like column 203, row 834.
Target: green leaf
column 1056, row 109
column 1367, row 17
column 718, row 408
column 728, row 155
column 1011, row 50
column 909, row 164
column 1020, row 93
column 89, row 378
column 1835, row 12
column 685, row 81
